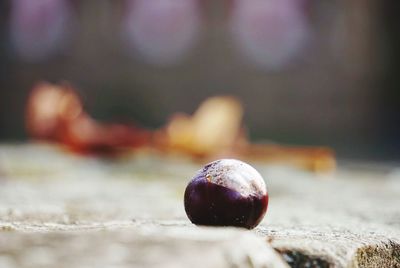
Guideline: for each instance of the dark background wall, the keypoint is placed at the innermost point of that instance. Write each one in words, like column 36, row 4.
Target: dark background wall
column 341, row 90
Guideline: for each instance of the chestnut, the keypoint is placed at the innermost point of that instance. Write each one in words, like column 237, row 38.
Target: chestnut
column 226, row 192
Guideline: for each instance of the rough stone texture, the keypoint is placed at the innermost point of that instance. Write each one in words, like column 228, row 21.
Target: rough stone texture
column 63, row 210
column 153, row 246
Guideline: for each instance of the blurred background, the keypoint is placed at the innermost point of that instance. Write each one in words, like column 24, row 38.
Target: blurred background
column 307, row 72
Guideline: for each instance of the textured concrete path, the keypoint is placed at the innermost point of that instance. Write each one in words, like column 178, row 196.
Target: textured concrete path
column 63, row 210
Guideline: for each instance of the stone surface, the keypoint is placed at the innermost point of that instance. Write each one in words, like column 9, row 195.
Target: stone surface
column 61, row 209
column 150, row 246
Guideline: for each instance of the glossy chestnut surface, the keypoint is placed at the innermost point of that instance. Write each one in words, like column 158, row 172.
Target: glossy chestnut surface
column 226, row 192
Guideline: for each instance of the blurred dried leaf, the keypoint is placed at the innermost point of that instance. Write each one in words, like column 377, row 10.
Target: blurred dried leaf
column 50, row 107
column 55, row 113
column 213, row 128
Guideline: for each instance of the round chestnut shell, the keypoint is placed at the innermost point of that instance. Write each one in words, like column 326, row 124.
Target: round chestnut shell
column 212, row 203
